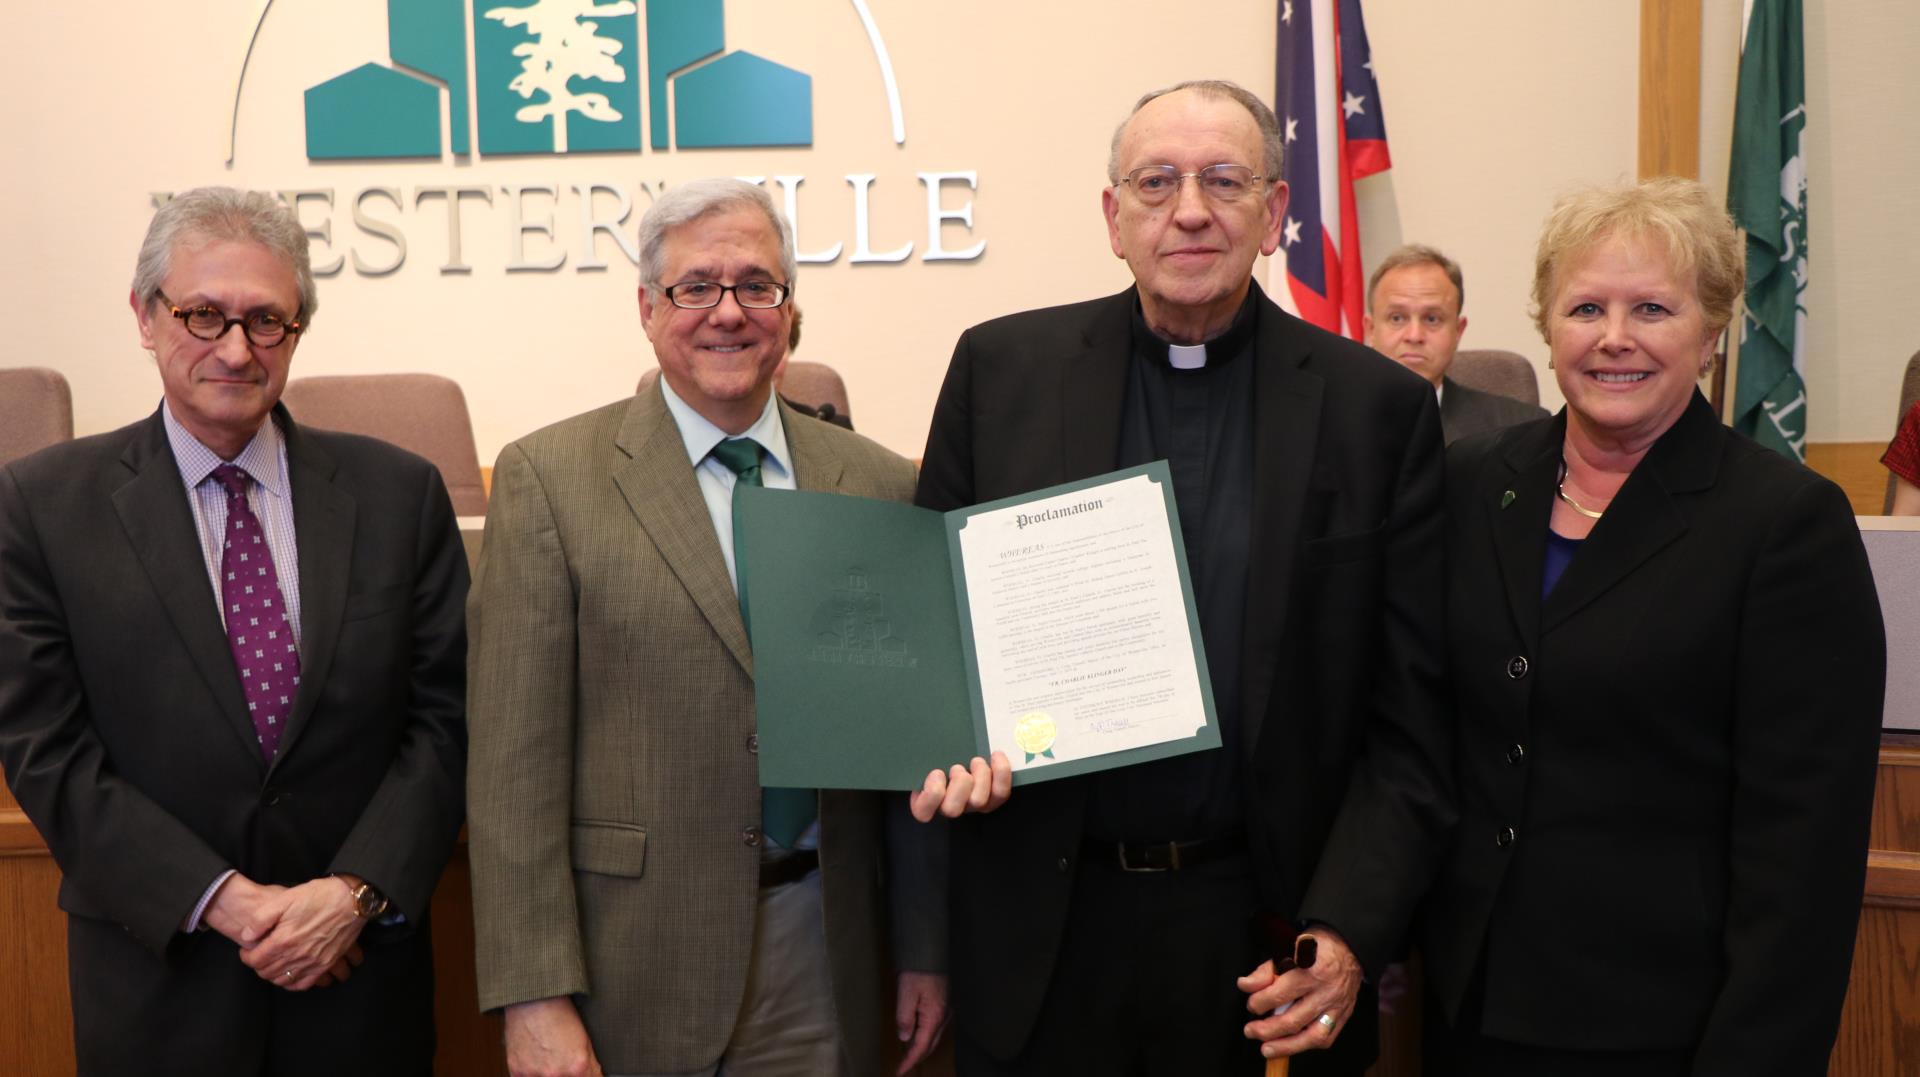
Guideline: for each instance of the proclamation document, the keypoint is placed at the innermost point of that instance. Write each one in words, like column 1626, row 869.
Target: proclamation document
column 1081, row 633
column 888, row 640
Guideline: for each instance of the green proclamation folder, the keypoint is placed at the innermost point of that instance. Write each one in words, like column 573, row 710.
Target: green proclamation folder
column 1073, row 649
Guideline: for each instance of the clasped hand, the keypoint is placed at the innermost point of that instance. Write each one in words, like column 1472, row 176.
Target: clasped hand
column 293, row 937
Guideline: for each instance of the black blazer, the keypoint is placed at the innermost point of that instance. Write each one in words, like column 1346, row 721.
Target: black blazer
column 125, row 738
column 1345, row 738
column 1682, row 739
column 1466, row 411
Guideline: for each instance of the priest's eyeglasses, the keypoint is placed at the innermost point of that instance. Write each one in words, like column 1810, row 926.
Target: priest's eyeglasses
column 263, row 329
column 705, row 294
column 1155, row 184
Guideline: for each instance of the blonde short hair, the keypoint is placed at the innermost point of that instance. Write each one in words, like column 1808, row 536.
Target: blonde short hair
column 1678, row 214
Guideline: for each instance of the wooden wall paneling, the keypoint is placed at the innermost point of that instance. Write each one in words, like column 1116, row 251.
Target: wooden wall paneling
column 1896, row 800
column 1855, row 467
column 36, row 1016
column 1880, row 1023
column 469, row 1041
column 1669, row 88
column 1879, row 1030
column 17, row 835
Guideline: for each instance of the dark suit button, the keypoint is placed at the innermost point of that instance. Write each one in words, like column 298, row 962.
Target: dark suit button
column 270, row 796
column 1063, row 863
column 1517, row 666
column 1517, row 755
column 751, row 836
column 753, row 743
column 1504, row 838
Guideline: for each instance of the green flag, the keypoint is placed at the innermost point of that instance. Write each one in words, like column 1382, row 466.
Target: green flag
column 1767, row 196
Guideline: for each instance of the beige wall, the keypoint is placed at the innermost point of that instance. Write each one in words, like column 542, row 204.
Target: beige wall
column 1491, row 109
column 1863, row 147
column 1487, row 123
column 1864, row 216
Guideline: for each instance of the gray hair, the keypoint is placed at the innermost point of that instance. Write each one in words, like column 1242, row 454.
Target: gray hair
column 212, row 213
column 694, row 199
column 1271, row 140
column 1418, row 254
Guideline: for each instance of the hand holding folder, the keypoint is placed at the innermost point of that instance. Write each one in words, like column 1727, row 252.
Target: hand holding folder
column 979, row 787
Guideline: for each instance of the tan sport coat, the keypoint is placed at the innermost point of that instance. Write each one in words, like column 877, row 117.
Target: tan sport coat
column 613, row 777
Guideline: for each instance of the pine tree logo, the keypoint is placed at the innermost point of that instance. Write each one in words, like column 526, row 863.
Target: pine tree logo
column 564, row 47
column 565, row 76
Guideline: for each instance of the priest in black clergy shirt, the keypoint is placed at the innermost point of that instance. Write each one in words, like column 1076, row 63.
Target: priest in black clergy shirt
column 1111, row 923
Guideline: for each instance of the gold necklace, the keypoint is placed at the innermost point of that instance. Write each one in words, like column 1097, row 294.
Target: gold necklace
column 1560, row 489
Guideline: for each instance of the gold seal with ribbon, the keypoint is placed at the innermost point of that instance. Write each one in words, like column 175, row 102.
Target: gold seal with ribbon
column 1034, row 733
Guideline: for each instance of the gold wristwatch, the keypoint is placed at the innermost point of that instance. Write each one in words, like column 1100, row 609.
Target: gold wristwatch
column 368, row 903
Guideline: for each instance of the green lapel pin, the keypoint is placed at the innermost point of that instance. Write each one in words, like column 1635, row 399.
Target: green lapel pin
column 1506, row 499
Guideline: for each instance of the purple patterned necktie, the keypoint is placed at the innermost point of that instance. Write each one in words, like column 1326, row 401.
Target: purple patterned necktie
column 257, row 628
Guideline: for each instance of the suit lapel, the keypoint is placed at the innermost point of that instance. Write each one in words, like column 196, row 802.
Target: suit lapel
column 664, row 495
column 1452, row 402
column 1093, row 390
column 815, row 465
column 1645, row 516
column 159, row 526
column 324, row 520
column 1516, row 496
column 1287, row 402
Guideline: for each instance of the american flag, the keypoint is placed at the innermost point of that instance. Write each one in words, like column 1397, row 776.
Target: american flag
column 1329, row 109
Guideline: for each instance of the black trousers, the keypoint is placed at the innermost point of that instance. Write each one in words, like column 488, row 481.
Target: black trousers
column 1144, row 982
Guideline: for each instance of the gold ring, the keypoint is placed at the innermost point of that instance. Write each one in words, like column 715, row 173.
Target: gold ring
column 1326, row 1021
column 287, row 975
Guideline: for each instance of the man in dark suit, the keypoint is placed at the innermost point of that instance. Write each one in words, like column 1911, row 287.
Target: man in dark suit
column 233, row 690
column 1414, row 304
column 1100, row 922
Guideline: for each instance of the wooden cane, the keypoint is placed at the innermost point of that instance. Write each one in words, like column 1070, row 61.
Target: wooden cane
column 1306, row 950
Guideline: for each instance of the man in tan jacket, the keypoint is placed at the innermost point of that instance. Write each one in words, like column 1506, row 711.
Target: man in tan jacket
column 640, row 907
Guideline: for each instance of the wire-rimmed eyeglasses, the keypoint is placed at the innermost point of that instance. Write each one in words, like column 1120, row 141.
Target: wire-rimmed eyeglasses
column 1154, row 184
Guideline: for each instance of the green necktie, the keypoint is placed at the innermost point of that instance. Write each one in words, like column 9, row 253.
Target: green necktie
column 784, row 813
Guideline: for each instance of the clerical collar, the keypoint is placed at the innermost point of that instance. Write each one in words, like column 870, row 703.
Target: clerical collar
column 1220, row 349
column 1187, row 356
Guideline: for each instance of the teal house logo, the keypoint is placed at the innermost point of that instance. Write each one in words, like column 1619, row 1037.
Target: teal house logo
column 555, row 77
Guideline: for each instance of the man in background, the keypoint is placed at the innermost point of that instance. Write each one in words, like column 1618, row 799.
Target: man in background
column 1414, row 304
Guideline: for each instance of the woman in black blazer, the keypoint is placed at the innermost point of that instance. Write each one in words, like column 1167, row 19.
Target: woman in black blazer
column 1668, row 662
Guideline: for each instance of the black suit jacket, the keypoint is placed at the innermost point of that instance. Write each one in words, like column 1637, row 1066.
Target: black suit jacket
column 126, row 739
column 1467, row 412
column 1682, row 738
column 1345, row 740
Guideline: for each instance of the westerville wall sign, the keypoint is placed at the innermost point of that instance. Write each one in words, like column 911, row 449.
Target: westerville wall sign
column 628, row 81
